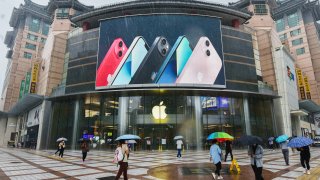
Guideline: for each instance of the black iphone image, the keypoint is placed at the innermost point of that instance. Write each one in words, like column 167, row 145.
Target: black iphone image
column 148, row 69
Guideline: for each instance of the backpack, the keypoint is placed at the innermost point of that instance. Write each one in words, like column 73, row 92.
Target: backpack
column 118, row 155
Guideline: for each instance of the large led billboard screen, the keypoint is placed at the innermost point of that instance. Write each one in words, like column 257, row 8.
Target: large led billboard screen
column 169, row 49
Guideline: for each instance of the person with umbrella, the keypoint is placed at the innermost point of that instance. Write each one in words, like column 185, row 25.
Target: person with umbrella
column 123, row 163
column 256, row 153
column 215, row 157
column 283, row 141
column 62, row 146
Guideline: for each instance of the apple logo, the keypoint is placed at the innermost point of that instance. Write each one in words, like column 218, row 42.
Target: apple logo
column 200, row 76
column 159, row 112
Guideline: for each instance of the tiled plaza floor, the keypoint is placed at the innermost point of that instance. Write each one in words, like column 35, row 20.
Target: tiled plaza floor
column 28, row 164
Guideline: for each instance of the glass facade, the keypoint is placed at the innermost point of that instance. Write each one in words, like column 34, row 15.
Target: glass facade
column 34, row 25
column 45, row 29
column 260, row 9
column 157, row 115
column 30, row 46
column 293, row 19
column 27, row 55
column 283, row 36
column 32, row 37
column 300, row 51
column 295, row 32
column 280, row 25
column 297, row 42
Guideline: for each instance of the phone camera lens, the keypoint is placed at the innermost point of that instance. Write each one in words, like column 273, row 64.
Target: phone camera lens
column 208, row 53
column 164, row 51
column 163, row 42
column 207, row 43
column 120, row 44
column 120, row 53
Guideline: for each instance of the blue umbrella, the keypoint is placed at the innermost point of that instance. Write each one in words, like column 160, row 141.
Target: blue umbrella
column 282, row 138
column 299, row 142
column 127, row 137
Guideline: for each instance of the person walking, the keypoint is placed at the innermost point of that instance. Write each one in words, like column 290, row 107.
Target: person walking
column 271, row 143
column 228, row 150
column 285, row 151
column 85, row 149
column 215, row 157
column 62, row 145
column 305, row 158
column 256, row 153
column 179, row 147
column 58, row 149
column 124, row 163
column 149, row 144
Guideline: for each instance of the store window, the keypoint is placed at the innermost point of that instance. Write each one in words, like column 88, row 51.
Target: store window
column 293, row 19
column 62, row 13
column 45, row 29
column 283, row 36
column 32, row 37
column 280, row 25
column 27, row 55
column 34, row 25
column 297, row 42
column 260, row 9
column 300, row 51
column 30, row 46
column 295, row 32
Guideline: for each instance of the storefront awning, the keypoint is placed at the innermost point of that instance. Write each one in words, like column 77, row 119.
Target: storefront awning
column 26, row 103
column 299, row 112
column 309, row 106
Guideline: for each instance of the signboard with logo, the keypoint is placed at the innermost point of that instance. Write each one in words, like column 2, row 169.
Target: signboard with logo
column 27, row 85
column 34, row 116
column 34, row 77
column 307, row 85
column 22, row 85
column 138, row 53
column 301, row 83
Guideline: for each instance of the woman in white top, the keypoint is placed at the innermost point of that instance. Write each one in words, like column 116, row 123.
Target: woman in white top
column 123, row 163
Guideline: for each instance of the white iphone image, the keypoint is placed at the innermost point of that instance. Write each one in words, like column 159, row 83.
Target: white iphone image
column 203, row 65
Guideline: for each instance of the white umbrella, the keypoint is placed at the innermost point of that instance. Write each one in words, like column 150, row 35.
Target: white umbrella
column 177, row 137
column 62, row 139
column 131, row 142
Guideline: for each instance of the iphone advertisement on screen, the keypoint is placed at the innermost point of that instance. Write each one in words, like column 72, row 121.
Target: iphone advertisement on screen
column 176, row 50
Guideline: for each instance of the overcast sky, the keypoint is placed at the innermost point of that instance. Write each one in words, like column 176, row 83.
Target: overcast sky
column 6, row 7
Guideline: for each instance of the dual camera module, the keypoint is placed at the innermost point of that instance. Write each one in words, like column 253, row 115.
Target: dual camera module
column 120, row 46
column 207, row 44
column 163, row 46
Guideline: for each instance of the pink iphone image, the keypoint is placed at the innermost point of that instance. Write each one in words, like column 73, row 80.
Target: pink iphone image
column 110, row 62
column 203, row 65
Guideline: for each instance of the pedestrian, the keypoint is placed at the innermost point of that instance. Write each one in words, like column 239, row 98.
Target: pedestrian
column 62, row 145
column 256, row 153
column 215, row 157
column 228, row 150
column 305, row 158
column 271, row 143
column 179, row 147
column 149, row 144
column 285, row 151
column 123, row 163
column 58, row 149
column 85, row 149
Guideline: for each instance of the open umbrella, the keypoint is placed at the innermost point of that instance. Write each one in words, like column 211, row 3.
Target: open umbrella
column 127, row 137
column 299, row 142
column 220, row 136
column 62, row 139
column 177, row 137
column 147, row 137
column 131, row 142
column 250, row 140
column 282, row 138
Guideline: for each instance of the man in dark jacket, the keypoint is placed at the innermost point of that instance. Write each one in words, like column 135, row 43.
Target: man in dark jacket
column 228, row 150
column 305, row 158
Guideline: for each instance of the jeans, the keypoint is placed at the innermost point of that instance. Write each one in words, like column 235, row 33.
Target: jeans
column 285, row 153
column 227, row 152
column 218, row 168
column 257, row 172
column 61, row 153
column 305, row 162
column 123, row 169
column 179, row 153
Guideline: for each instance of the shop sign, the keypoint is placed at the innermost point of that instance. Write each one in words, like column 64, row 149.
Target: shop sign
column 22, row 84
column 307, row 85
column 300, row 83
column 34, row 116
column 34, row 77
column 27, row 85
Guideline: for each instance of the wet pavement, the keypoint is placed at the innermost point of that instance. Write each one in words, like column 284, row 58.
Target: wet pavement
column 29, row 164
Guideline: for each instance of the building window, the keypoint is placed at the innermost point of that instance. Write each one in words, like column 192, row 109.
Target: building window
column 62, row 13
column 297, row 42
column 32, row 37
column 283, row 36
column 45, row 29
column 27, row 55
column 260, row 9
column 295, row 32
column 43, row 40
column 280, row 25
column 300, row 51
column 34, row 25
column 293, row 19
column 30, row 46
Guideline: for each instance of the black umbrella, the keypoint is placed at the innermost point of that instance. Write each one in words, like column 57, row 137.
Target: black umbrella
column 250, row 140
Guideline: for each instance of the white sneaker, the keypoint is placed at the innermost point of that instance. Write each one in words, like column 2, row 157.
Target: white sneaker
column 214, row 175
column 308, row 172
column 305, row 171
column 220, row 177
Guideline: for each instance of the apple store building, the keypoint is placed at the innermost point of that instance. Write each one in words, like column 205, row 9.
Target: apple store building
column 189, row 74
